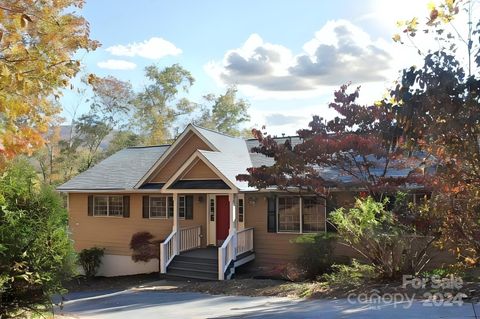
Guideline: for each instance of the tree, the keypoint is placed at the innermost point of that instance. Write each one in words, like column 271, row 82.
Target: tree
column 158, row 105
column 226, row 114
column 92, row 130
column 36, row 254
column 375, row 234
column 37, row 42
column 47, row 155
column 438, row 108
column 121, row 140
column 111, row 106
column 361, row 143
column 112, row 100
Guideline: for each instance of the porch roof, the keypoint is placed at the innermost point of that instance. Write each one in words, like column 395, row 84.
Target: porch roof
column 200, row 184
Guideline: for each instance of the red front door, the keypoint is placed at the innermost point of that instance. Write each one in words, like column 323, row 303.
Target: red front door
column 223, row 214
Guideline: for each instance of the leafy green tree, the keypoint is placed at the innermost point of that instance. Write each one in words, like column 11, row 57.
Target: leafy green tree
column 159, row 104
column 226, row 113
column 92, row 130
column 110, row 109
column 121, row 140
column 112, row 100
column 36, row 254
column 374, row 234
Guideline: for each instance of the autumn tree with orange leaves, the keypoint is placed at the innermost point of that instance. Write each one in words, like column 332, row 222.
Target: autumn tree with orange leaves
column 438, row 107
column 38, row 40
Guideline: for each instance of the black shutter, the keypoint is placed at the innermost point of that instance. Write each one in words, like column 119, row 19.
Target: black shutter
column 126, row 206
column 272, row 214
column 90, row 205
column 189, row 207
column 146, row 206
column 170, row 206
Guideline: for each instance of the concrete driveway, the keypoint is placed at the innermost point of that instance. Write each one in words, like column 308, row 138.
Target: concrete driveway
column 177, row 305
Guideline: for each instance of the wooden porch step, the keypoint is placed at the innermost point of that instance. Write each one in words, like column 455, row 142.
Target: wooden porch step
column 206, row 261
column 194, row 274
column 193, row 265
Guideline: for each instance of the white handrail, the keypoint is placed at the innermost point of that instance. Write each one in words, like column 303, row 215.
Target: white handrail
column 226, row 254
column 168, row 250
column 244, row 241
column 190, row 238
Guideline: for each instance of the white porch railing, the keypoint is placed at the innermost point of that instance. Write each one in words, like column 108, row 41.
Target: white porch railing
column 168, row 250
column 226, row 254
column 188, row 238
column 235, row 244
column 244, row 241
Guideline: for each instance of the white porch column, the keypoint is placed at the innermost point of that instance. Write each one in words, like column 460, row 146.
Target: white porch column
column 233, row 199
column 176, row 227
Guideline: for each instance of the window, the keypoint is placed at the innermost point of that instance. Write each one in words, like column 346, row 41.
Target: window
column 158, row 207
column 288, row 214
column 108, row 205
column 212, row 209
column 115, row 205
column 241, row 210
column 162, row 207
column 300, row 215
column 313, row 215
column 181, row 207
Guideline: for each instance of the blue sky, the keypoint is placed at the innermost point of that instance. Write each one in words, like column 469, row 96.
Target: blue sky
column 286, row 57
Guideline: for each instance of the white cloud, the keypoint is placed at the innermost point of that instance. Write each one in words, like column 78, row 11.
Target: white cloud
column 340, row 52
column 116, row 65
column 154, row 48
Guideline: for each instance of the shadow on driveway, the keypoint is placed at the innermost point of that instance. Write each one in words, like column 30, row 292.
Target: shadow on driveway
column 177, row 305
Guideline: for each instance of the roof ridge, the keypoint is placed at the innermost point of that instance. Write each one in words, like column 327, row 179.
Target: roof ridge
column 274, row 137
column 147, row 146
column 217, row 132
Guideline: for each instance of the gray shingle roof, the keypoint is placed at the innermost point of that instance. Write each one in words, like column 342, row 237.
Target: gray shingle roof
column 295, row 140
column 120, row 171
column 230, row 166
column 259, row 160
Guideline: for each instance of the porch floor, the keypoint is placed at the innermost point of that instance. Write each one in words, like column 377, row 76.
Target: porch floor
column 207, row 253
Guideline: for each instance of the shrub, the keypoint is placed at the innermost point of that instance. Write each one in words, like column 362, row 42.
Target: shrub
column 349, row 276
column 91, row 259
column 316, row 255
column 36, row 254
column 375, row 234
column 144, row 247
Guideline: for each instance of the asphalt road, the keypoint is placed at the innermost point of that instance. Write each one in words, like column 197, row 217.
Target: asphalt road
column 130, row 304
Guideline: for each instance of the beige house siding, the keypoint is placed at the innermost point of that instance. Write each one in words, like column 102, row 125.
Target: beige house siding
column 270, row 248
column 200, row 171
column 114, row 233
column 178, row 157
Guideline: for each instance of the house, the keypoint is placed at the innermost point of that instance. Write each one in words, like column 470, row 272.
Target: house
column 187, row 195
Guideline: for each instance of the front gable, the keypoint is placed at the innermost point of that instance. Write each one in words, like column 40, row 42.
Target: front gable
column 199, row 171
column 181, row 151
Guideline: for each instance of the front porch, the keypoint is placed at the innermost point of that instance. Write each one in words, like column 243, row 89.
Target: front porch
column 213, row 249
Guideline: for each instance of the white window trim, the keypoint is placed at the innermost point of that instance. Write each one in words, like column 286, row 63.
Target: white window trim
column 300, row 202
column 241, row 197
column 108, row 206
column 166, row 207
